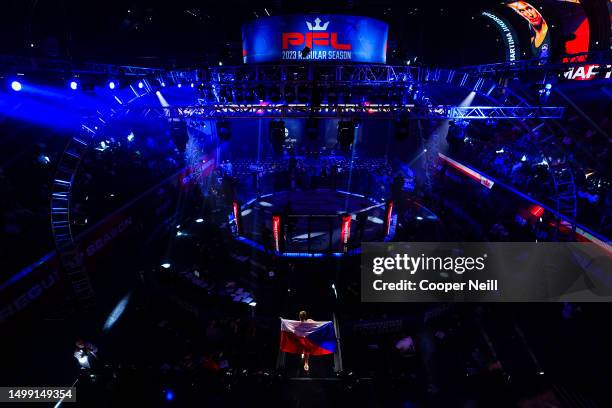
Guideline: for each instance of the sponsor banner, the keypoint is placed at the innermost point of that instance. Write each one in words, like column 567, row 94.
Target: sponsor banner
column 588, row 72
column 20, row 296
column 316, row 37
column 486, row 272
column 276, row 227
column 345, row 233
column 190, row 176
column 473, row 174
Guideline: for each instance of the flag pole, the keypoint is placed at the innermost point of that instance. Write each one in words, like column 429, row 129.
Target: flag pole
column 338, row 354
column 280, row 359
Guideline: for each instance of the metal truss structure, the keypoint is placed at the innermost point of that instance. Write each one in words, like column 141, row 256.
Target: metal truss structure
column 23, row 64
column 61, row 192
column 372, row 91
column 373, row 111
column 493, row 85
column 542, row 65
column 323, row 74
column 505, row 112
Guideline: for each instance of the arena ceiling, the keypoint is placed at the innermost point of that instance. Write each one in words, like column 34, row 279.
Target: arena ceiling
column 187, row 32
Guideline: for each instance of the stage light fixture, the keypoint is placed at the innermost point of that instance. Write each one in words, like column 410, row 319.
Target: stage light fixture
column 402, row 128
column 180, row 85
column 74, row 85
column 140, row 84
column 346, row 134
column 16, row 86
column 169, row 395
column 223, row 130
column 277, row 134
column 112, row 85
column 179, row 135
column 163, row 102
column 117, row 312
column 312, row 128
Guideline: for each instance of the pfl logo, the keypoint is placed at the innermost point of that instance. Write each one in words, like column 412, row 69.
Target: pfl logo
column 317, row 35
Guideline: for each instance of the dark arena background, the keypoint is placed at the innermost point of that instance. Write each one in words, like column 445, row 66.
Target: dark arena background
column 176, row 176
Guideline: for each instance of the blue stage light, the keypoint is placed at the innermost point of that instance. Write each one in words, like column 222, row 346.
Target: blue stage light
column 192, row 85
column 163, row 84
column 16, row 86
column 140, row 84
column 180, row 85
column 169, row 395
column 111, row 85
column 44, row 160
column 74, row 85
column 548, row 86
column 117, row 312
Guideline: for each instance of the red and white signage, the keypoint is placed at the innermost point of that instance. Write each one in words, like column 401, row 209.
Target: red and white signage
column 276, row 231
column 345, row 232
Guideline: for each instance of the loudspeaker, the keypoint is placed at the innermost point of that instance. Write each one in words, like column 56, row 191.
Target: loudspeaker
column 402, row 129
column 223, row 130
column 277, row 134
column 346, row 134
column 178, row 133
column 312, row 128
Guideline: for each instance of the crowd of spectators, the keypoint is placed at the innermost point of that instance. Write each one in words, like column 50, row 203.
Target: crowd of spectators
column 369, row 176
column 117, row 169
column 534, row 167
column 28, row 155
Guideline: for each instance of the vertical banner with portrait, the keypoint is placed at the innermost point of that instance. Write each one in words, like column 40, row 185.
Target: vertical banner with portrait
column 538, row 27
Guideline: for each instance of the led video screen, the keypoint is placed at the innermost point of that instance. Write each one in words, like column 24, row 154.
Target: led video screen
column 319, row 37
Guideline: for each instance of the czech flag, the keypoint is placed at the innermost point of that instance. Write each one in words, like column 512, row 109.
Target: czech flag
column 314, row 338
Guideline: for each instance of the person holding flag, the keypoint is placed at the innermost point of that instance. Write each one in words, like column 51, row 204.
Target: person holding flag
column 307, row 337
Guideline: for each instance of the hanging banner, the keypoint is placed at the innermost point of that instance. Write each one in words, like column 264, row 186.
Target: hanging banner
column 318, row 37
